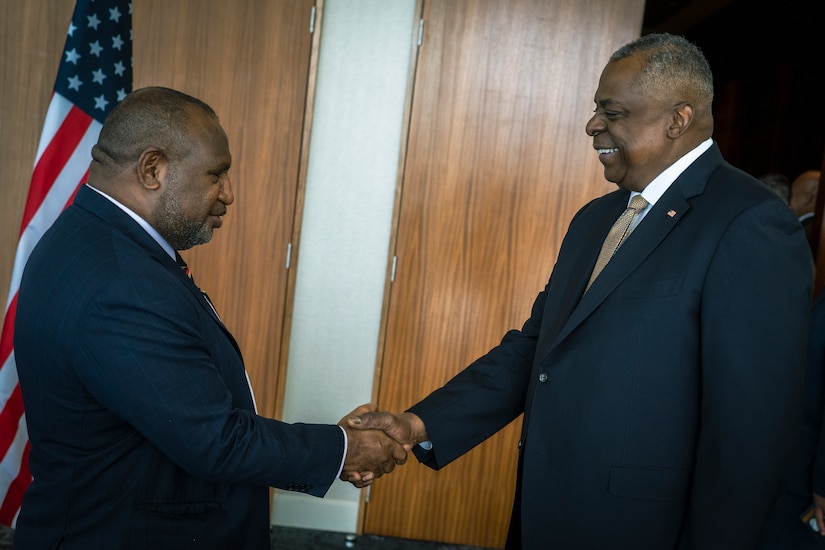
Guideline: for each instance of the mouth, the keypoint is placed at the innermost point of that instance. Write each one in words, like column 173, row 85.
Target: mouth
column 606, row 151
column 217, row 220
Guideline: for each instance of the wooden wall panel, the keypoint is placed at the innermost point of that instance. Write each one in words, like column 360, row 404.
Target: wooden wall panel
column 498, row 162
column 31, row 41
column 249, row 60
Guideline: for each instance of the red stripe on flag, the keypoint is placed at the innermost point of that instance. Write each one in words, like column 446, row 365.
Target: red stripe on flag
column 7, row 336
column 54, row 158
column 11, row 504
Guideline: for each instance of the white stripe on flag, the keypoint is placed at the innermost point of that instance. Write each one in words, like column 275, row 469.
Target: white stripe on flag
column 59, row 108
column 8, row 378
column 53, row 203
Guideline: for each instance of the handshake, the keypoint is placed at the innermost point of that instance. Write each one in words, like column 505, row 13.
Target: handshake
column 377, row 441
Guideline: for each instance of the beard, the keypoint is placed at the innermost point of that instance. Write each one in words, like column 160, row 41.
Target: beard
column 179, row 230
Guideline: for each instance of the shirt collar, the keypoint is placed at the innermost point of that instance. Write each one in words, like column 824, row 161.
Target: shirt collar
column 141, row 222
column 656, row 188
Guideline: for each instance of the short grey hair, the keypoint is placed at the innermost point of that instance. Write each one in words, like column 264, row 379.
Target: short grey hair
column 672, row 61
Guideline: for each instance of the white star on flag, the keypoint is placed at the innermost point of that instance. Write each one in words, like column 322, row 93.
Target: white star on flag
column 100, row 102
column 93, row 21
column 75, row 83
column 72, row 56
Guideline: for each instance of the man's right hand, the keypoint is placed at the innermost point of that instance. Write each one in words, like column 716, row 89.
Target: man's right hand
column 406, row 428
column 370, row 453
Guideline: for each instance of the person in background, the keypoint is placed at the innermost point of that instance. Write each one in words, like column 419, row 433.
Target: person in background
column 143, row 427
column 803, row 200
column 779, row 184
column 661, row 368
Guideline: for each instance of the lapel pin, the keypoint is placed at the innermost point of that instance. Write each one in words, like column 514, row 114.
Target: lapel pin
column 671, row 213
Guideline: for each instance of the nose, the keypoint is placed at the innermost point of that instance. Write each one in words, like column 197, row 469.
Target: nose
column 594, row 126
column 227, row 196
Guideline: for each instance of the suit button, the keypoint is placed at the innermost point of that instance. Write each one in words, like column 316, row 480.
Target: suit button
column 543, row 377
column 299, row 487
column 519, row 443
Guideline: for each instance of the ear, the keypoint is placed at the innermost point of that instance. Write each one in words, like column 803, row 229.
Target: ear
column 151, row 168
column 681, row 117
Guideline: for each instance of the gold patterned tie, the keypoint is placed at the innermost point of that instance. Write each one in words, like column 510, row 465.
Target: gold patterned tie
column 616, row 236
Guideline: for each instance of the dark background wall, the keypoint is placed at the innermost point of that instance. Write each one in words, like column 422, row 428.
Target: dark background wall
column 768, row 61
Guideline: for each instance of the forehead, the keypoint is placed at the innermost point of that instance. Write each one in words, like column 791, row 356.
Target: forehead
column 209, row 140
column 618, row 80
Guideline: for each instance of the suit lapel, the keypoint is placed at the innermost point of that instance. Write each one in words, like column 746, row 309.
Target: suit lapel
column 100, row 206
column 649, row 234
column 655, row 226
column 203, row 300
column 577, row 258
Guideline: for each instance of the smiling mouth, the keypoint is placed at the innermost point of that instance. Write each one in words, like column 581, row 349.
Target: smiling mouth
column 607, row 151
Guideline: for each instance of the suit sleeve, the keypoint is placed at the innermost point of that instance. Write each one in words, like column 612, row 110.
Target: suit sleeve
column 754, row 326
column 148, row 356
column 816, row 374
column 483, row 398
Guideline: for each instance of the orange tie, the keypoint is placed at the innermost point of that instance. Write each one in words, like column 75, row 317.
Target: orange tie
column 616, row 236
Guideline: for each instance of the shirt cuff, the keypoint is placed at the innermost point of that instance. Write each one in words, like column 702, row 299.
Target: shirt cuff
column 343, row 458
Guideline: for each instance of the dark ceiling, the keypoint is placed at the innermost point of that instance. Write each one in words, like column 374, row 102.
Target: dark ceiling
column 766, row 57
column 679, row 16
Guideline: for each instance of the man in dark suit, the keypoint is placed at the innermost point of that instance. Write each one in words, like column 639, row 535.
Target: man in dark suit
column 660, row 403
column 142, row 423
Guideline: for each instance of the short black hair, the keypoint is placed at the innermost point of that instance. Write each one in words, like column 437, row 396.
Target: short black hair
column 149, row 117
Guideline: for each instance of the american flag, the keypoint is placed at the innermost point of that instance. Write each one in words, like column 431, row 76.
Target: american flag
column 95, row 74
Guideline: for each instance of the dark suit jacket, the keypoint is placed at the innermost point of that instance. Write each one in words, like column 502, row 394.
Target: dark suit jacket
column 142, row 426
column 660, row 407
column 815, row 399
column 786, row 530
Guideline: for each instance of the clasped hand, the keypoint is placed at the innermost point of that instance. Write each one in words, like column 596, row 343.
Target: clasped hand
column 377, row 441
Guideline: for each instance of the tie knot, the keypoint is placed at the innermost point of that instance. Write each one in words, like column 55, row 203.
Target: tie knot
column 638, row 203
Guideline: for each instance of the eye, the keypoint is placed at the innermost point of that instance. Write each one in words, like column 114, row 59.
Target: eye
column 610, row 115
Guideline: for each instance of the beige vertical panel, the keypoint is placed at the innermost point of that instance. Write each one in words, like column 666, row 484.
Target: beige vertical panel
column 498, row 162
column 250, row 60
